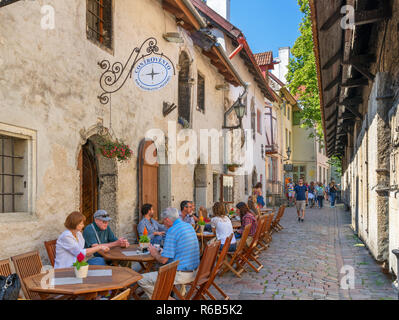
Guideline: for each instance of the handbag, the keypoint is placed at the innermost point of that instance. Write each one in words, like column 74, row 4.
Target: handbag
column 10, row 287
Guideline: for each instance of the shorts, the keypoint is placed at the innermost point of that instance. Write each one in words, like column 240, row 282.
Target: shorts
column 290, row 194
column 301, row 205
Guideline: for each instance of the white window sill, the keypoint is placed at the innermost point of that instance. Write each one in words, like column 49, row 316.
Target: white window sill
column 9, row 217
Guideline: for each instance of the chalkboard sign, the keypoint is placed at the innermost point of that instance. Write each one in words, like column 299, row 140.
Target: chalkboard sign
column 288, row 168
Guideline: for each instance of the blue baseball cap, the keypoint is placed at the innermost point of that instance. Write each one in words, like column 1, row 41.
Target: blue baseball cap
column 102, row 215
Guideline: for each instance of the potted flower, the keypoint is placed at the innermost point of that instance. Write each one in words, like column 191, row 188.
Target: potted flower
column 81, row 266
column 201, row 223
column 144, row 241
column 231, row 212
column 114, row 149
column 233, row 166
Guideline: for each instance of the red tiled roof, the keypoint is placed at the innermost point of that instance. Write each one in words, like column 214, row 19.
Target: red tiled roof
column 264, row 58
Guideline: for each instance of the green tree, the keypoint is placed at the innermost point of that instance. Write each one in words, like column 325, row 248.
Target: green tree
column 302, row 74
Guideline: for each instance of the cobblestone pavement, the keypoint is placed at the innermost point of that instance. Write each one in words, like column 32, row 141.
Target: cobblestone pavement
column 305, row 260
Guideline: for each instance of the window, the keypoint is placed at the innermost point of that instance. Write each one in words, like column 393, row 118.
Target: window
column 215, row 188
column 289, row 113
column 299, row 172
column 286, row 138
column 17, row 170
column 184, row 91
column 290, row 140
column 201, row 93
column 246, row 184
column 259, row 121
column 227, row 189
column 99, row 22
column 285, row 108
column 253, row 122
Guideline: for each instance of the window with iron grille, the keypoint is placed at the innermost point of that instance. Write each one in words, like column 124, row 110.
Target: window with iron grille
column 13, row 180
column 99, row 22
column 201, row 93
column 259, row 121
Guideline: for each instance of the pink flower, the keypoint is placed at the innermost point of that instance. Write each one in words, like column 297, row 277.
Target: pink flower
column 80, row 257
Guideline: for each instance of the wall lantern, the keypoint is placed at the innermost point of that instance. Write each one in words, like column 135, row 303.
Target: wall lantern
column 173, row 37
column 288, row 152
column 239, row 109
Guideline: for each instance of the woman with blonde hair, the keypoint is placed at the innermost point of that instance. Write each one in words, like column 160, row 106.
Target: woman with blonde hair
column 252, row 205
column 222, row 226
column 71, row 242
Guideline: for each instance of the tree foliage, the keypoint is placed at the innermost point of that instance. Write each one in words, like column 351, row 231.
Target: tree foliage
column 302, row 77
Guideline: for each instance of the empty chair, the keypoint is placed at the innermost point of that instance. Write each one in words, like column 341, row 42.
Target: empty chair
column 50, row 248
column 249, row 252
column 276, row 223
column 26, row 265
column 122, row 296
column 5, row 268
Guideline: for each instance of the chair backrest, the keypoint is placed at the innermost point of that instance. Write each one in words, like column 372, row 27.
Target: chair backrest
column 264, row 228
column 26, row 265
column 122, row 296
column 269, row 222
column 259, row 228
column 165, row 280
column 5, row 268
column 136, row 232
column 205, row 268
column 278, row 215
column 242, row 242
column 223, row 253
column 50, row 248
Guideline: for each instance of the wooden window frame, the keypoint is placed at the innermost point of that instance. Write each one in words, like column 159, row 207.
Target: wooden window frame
column 221, row 189
column 201, row 104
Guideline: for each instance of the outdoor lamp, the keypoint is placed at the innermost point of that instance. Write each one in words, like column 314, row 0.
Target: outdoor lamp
column 288, row 153
column 239, row 109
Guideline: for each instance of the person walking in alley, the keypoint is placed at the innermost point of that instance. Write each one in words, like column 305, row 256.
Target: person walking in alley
column 291, row 192
column 301, row 199
column 320, row 193
column 333, row 193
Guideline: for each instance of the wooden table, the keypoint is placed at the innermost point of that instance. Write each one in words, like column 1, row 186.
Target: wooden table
column 203, row 239
column 91, row 287
column 236, row 224
column 116, row 254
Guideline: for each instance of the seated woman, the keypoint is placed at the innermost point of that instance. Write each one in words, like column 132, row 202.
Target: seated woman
column 247, row 217
column 252, row 205
column 222, row 227
column 71, row 242
column 156, row 231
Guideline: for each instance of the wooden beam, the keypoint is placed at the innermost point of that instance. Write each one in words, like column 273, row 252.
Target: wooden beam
column 172, row 9
column 336, row 16
column 354, row 83
column 193, row 21
column 331, row 125
column 333, row 59
column 363, row 70
column 354, row 111
column 362, row 58
column 333, row 83
column 371, row 16
column 332, row 116
column 331, row 102
column 352, row 101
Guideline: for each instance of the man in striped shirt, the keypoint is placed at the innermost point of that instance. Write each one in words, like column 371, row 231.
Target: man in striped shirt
column 181, row 244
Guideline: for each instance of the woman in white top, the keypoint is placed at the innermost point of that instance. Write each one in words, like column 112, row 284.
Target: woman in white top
column 71, row 242
column 221, row 225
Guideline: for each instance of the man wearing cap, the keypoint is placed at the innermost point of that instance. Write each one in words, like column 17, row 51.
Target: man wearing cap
column 99, row 233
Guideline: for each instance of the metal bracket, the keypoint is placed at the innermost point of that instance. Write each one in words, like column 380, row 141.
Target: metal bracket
column 168, row 108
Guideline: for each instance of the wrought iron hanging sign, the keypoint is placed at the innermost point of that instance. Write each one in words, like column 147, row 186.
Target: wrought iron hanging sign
column 150, row 70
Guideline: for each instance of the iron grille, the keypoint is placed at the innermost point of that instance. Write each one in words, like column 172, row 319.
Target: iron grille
column 99, row 21
column 8, row 175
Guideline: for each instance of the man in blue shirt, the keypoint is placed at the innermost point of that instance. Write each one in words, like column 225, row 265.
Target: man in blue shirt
column 181, row 243
column 301, row 199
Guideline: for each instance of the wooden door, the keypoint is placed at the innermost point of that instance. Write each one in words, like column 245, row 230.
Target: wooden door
column 89, row 184
column 149, row 176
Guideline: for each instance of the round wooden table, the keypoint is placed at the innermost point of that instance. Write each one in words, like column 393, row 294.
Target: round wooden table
column 116, row 254
column 236, row 224
column 90, row 287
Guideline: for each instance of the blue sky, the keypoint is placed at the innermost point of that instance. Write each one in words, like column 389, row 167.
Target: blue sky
column 267, row 24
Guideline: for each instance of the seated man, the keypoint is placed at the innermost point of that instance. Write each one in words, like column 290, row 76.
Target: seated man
column 181, row 244
column 99, row 233
column 186, row 213
column 156, row 231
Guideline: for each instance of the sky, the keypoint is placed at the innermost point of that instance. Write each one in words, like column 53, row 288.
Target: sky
column 267, row 24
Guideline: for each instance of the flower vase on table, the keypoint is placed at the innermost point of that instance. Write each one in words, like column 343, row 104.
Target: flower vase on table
column 81, row 266
column 201, row 224
column 144, row 241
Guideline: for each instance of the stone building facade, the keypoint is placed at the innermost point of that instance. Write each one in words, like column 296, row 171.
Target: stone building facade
column 360, row 118
column 51, row 116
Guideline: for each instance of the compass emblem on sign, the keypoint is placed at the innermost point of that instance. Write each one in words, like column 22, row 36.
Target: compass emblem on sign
column 153, row 73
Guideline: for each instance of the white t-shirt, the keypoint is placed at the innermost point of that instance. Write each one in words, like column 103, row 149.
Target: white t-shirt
column 224, row 229
column 68, row 248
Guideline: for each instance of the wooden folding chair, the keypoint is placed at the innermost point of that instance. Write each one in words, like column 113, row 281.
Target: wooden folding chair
column 5, row 268
column 216, row 270
column 249, row 255
column 228, row 264
column 266, row 238
column 203, row 274
column 276, row 223
column 136, row 232
column 165, row 281
column 123, row 295
column 50, row 248
column 260, row 245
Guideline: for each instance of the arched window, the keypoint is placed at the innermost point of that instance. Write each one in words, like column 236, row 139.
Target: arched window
column 184, row 91
column 253, row 118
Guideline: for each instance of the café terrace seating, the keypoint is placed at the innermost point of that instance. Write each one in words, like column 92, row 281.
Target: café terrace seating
column 212, row 264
